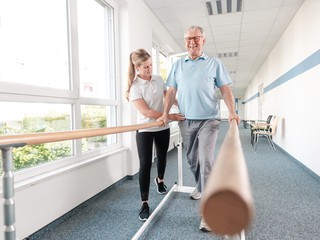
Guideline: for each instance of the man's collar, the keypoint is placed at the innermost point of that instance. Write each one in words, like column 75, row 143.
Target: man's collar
column 203, row 57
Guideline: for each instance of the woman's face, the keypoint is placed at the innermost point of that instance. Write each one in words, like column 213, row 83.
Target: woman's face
column 145, row 69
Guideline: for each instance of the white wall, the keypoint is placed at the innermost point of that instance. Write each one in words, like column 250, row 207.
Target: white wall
column 296, row 101
column 41, row 201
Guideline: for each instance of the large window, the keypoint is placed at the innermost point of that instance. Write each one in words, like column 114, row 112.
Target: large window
column 57, row 73
column 34, row 43
column 96, row 58
column 160, row 62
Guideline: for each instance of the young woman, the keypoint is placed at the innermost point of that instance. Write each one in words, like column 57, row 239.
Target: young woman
column 147, row 92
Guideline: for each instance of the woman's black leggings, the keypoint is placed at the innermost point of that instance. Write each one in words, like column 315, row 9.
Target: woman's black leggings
column 145, row 146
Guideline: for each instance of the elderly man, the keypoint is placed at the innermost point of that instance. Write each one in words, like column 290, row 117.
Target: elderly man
column 194, row 80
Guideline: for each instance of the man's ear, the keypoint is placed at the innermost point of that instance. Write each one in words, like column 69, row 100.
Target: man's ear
column 204, row 40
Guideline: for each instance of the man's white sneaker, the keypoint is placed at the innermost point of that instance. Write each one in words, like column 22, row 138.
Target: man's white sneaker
column 195, row 195
column 204, row 226
column 233, row 237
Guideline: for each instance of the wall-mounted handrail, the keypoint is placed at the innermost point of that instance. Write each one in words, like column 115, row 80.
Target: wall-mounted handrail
column 227, row 204
column 8, row 142
column 46, row 137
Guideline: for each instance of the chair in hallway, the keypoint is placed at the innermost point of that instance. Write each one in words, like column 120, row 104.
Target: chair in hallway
column 267, row 132
column 260, row 125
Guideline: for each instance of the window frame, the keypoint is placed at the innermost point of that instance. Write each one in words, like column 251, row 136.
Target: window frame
column 15, row 92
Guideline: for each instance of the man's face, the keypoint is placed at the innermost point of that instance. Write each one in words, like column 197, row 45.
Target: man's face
column 194, row 42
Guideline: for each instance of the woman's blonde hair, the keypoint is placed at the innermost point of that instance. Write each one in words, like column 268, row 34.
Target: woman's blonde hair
column 137, row 57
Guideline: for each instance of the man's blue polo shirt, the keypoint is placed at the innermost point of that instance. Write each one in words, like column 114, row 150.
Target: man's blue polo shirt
column 196, row 82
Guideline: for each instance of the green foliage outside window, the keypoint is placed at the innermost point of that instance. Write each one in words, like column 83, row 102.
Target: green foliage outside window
column 32, row 155
column 93, row 117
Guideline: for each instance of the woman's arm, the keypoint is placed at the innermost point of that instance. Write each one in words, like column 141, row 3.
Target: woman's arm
column 144, row 109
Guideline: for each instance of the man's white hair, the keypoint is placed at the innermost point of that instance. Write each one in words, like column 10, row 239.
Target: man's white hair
column 195, row 28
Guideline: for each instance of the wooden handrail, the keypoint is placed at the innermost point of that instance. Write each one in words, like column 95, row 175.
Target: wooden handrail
column 46, row 137
column 227, row 204
column 7, row 142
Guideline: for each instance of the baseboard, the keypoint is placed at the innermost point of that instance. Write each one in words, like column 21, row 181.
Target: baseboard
column 301, row 165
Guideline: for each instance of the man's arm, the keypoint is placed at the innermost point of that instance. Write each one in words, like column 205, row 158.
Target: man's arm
column 229, row 101
column 169, row 100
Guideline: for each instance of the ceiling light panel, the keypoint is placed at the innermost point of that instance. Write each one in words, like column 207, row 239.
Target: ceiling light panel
column 217, row 7
column 227, row 54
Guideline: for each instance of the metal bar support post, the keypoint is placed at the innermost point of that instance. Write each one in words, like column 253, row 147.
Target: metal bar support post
column 8, row 193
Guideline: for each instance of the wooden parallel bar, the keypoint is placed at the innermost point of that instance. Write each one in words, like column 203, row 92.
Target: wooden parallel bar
column 227, row 204
column 7, row 142
column 46, row 137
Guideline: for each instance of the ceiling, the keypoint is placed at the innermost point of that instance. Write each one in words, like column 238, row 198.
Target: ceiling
column 241, row 39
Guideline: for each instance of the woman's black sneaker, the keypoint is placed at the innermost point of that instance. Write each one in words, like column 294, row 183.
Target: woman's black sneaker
column 161, row 188
column 144, row 212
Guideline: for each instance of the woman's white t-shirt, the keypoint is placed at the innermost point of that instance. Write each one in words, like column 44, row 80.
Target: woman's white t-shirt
column 152, row 93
